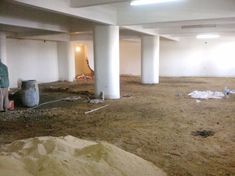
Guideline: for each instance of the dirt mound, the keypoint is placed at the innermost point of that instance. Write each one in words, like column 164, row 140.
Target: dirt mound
column 70, row 156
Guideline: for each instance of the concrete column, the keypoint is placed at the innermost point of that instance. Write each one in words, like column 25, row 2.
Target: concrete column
column 3, row 47
column 150, row 59
column 106, row 54
column 66, row 60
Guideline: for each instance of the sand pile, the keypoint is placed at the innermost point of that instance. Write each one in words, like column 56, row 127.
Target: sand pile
column 70, row 156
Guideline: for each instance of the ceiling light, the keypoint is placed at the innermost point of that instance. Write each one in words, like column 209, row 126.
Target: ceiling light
column 78, row 49
column 208, row 36
column 146, row 2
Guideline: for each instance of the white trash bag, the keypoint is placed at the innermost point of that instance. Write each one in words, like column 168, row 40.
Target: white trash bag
column 206, row 94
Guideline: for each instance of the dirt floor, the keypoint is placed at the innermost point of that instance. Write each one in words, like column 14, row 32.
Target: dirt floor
column 160, row 123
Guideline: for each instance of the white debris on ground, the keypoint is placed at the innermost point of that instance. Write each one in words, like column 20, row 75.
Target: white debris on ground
column 96, row 109
column 70, row 156
column 206, row 94
column 74, row 98
column 96, row 101
column 228, row 91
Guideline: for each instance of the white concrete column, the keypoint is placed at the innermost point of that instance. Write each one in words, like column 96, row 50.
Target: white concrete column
column 3, row 47
column 106, row 54
column 150, row 59
column 66, row 60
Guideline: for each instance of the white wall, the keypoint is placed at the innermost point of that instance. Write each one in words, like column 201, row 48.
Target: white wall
column 188, row 57
column 30, row 59
column 130, row 55
column 66, row 60
column 192, row 57
column 130, row 58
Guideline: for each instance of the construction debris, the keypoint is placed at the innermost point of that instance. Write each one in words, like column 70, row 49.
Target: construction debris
column 206, row 95
column 83, row 77
column 86, row 76
column 96, row 101
column 228, row 91
column 93, row 110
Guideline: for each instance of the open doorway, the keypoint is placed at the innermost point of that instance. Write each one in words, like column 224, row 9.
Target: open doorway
column 82, row 67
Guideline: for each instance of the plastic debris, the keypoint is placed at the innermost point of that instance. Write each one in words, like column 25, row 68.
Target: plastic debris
column 228, row 91
column 206, row 94
column 96, row 101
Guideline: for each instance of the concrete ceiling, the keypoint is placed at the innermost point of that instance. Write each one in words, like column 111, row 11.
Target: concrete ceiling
column 19, row 20
column 175, row 19
column 86, row 3
column 181, row 18
column 172, row 19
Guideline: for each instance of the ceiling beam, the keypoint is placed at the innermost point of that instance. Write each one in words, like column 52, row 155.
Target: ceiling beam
column 87, row 3
column 12, row 15
column 169, row 37
column 139, row 30
column 95, row 14
column 179, row 31
column 218, row 21
column 51, row 37
column 32, row 24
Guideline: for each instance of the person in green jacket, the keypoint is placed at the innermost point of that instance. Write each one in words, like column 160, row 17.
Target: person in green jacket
column 4, row 84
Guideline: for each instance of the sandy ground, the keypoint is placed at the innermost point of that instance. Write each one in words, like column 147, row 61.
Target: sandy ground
column 155, row 122
column 70, row 156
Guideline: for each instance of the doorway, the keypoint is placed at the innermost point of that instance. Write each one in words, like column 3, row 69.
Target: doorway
column 82, row 68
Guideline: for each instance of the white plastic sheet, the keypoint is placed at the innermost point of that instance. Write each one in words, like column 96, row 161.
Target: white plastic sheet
column 206, row 94
column 228, row 91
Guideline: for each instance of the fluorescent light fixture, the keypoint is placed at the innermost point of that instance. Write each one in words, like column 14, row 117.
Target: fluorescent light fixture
column 147, row 2
column 208, row 36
